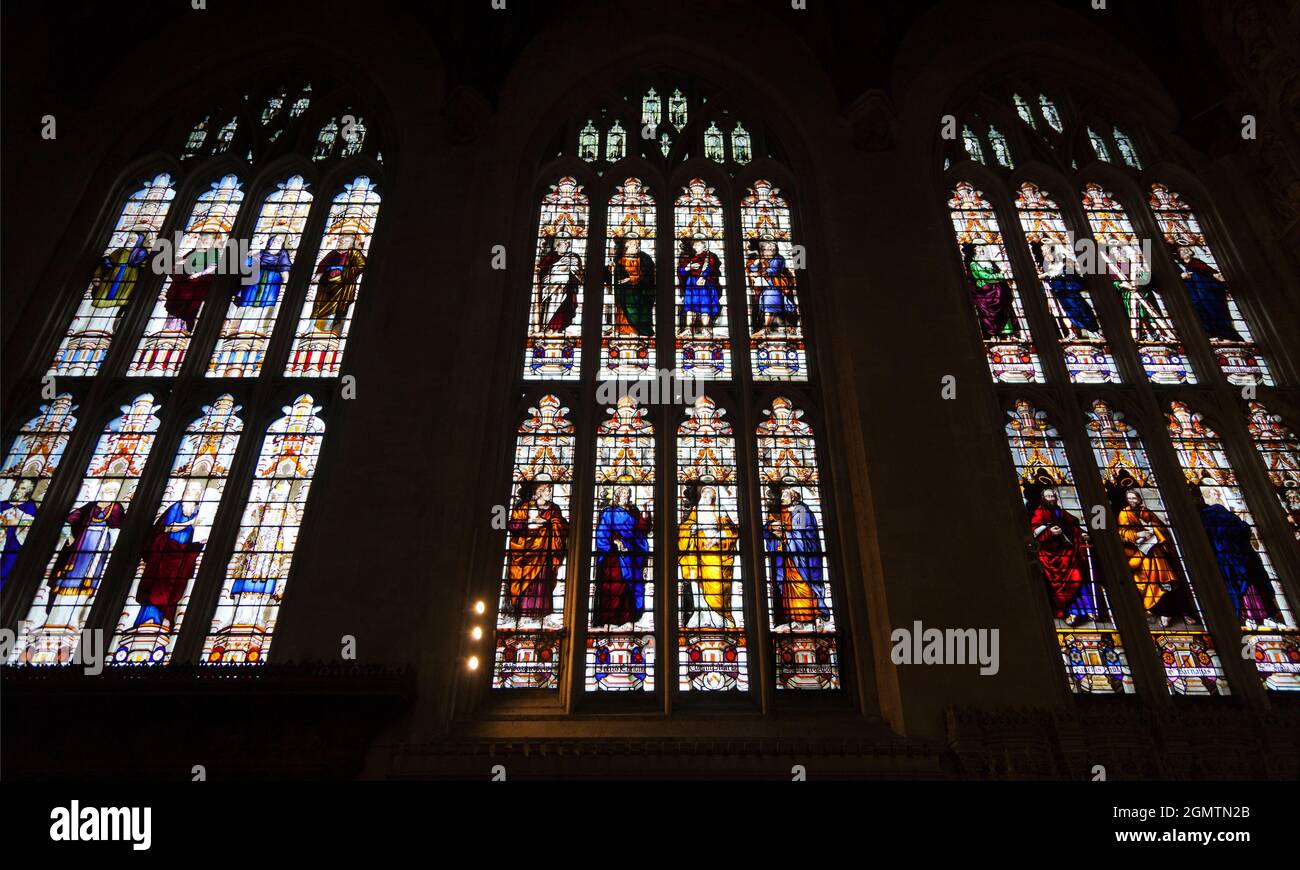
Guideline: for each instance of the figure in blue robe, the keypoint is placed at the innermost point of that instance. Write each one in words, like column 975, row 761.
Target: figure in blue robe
column 622, row 551
column 273, row 270
column 792, row 540
column 1209, row 296
column 701, row 295
column 13, row 513
column 1066, row 286
column 1249, row 585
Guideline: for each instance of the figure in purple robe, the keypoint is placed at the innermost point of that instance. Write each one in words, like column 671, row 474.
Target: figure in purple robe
column 272, row 270
column 1248, row 583
column 990, row 293
column 170, row 557
column 82, row 560
column 622, row 551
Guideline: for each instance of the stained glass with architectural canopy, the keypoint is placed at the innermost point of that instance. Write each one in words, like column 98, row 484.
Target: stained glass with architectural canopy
column 51, row 631
column 631, row 283
column 248, row 605
column 1270, row 636
column 1086, row 635
column 1207, row 290
column 772, row 264
column 341, row 262
column 801, row 612
column 174, row 546
column 1051, row 244
column 1280, row 450
column 712, row 653
column 1154, row 556
column 992, row 289
column 25, row 477
column 702, row 327
column 124, row 263
column 553, row 350
column 200, row 258
column 620, row 653
column 531, row 606
column 255, row 304
column 1126, row 261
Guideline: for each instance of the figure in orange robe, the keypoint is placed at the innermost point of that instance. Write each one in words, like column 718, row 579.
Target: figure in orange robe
column 539, row 537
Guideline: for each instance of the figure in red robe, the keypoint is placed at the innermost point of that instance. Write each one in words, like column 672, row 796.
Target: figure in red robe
column 190, row 286
column 1063, row 556
column 170, row 557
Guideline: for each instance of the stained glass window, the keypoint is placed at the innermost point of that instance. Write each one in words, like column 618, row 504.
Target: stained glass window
column 651, row 109
column 326, row 317
column 250, row 317
column 1087, row 354
column 325, row 139
column 742, row 148
column 1154, row 557
column 1207, row 290
column 530, row 609
column 354, row 137
column 174, row 546
column 1024, row 111
column 249, row 604
column 776, row 343
column 1268, row 624
column 1127, row 151
column 631, row 284
column 992, row 288
column 29, row 466
column 199, row 260
column 621, row 601
column 1090, row 645
column 1099, row 145
column 712, row 654
column 589, row 142
column 50, row 632
column 677, row 109
column 1280, row 450
column 225, row 136
column 1001, row 151
column 1121, row 253
column 554, row 346
column 703, row 343
column 121, row 267
column 1050, row 114
column 713, row 146
column 801, row 613
column 615, row 143
column 194, row 142
column 971, row 143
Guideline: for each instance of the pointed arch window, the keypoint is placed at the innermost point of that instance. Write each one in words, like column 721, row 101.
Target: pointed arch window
column 1154, row 556
column 554, row 346
column 703, row 331
column 1001, row 150
column 971, row 143
column 1128, row 268
column 29, row 466
column 1099, row 146
column 199, row 260
column 257, row 575
column 1127, row 150
column 254, row 306
column 1089, row 642
column 1207, row 290
column 991, row 285
column 1280, row 450
column 120, row 269
column 51, row 630
column 1269, row 632
column 772, row 262
column 174, row 547
column 631, row 284
column 326, row 319
column 1051, row 244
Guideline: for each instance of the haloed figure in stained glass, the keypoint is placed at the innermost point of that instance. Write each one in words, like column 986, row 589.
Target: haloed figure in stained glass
column 1056, row 268
column 622, row 551
column 989, row 291
column 1063, row 557
column 118, row 272
column 1208, row 292
column 707, row 542
column 1155, row 568
column 634, row 288
column 1232, row 539
column 698, row 269
column 794, row 544
column 560, row 273
column 539, row 536
column 774, row 290
column 337, row 277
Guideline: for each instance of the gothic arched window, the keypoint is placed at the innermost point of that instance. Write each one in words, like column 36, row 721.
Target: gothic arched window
column 1280, row 450
column 628, row 574
column 220, row 223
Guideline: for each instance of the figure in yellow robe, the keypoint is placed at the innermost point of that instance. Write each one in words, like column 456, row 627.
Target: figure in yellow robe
column 1147, row 545
column 337, row 277
column 707, row 543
